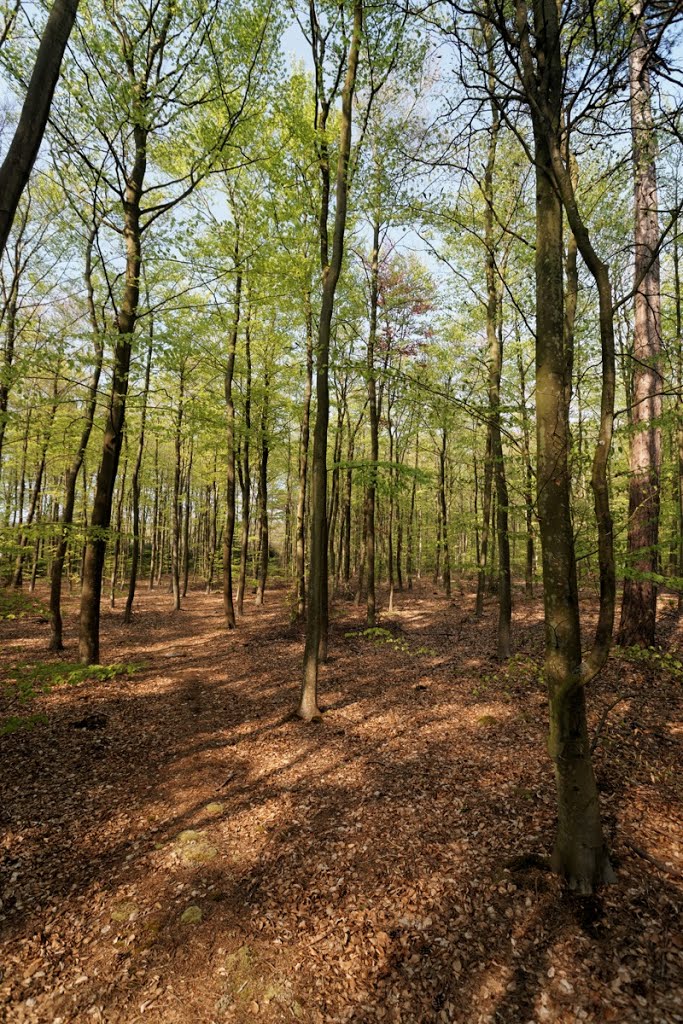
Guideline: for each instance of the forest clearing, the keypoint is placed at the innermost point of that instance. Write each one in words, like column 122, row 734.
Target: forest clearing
column 371, row 869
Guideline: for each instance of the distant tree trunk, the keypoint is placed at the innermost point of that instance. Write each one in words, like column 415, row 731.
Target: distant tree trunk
column 373, row 411
column 135, row 487
column 317, row 595
column 186, row 522
column 229, row 532
column 117, row 539
column 264, row 540
column 485, row 525
column 177, row 506
column 23, row 149
column 639, row 604
column 245, row 472
column 446, row 571
column 303, row 467
column 212, row 526
column 156, row 524
column 57, row 570
column 679, row 403
column 528, row 483
column 494, row 337
column 410, row 557
column 17, row 578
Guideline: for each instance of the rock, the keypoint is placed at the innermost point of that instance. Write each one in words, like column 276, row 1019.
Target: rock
column 192, row 915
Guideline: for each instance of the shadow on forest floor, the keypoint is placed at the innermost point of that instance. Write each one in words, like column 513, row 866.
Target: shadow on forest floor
column 202, row 856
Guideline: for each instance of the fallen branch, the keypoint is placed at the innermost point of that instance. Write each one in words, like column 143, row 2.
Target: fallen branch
column 660, row 864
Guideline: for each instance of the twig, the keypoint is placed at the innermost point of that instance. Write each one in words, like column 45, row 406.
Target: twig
column 660, row 864
column 601, row 724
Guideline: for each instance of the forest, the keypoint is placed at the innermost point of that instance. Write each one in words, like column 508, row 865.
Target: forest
column 341, row 511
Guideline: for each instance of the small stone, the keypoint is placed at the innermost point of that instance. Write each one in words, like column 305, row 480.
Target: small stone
column 192, row 915
column 253, row 1007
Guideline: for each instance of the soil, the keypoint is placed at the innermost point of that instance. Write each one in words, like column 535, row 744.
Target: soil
column 177, row 848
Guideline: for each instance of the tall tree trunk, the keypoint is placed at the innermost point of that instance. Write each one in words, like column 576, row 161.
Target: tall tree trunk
column 373, row 412
column 23, row 149
column 446, row 572
column 410, row 555
column 528, row 482
column 177, row 510
column 91, row 591
column 303, row 467
column 229, row 532
column 580, row 852
column 485, row 524
column 245, row 472
column 264, row 539
column 639, row 604
column 156, row 523
column 317, row 594
column 186, row 521
column 57, row 571
column 494, row 337
column 135, row 486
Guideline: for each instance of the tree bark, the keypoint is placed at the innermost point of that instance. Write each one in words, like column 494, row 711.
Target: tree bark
column 639, row 603
column 57, row 571
column 229, row 533
column 317, row 594
column 23, row 150
column 91, row 591
column 135, row 487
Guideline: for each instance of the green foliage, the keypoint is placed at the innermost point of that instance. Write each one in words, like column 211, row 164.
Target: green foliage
column 15, row 604
column 15, row 723
column 668, row 662
column 32, row 680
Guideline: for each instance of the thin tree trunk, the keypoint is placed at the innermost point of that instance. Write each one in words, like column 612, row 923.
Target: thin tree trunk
column 264, row 540
column 316, row 618
column 135, row 486
column 229, row 532
column 245, row 472
column 303, row 467
column 186, row 521
column 373, row 411
column 56, row 624
column 177, row 506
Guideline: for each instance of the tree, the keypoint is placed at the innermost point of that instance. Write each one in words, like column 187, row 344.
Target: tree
column 23, row 150
column 639, row 604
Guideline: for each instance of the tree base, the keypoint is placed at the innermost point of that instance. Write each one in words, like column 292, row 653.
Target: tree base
column 583, row 868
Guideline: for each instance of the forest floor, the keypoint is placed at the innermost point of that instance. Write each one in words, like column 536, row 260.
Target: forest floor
column 176, row 848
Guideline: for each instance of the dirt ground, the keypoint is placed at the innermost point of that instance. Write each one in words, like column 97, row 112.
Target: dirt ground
column 176, row 848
